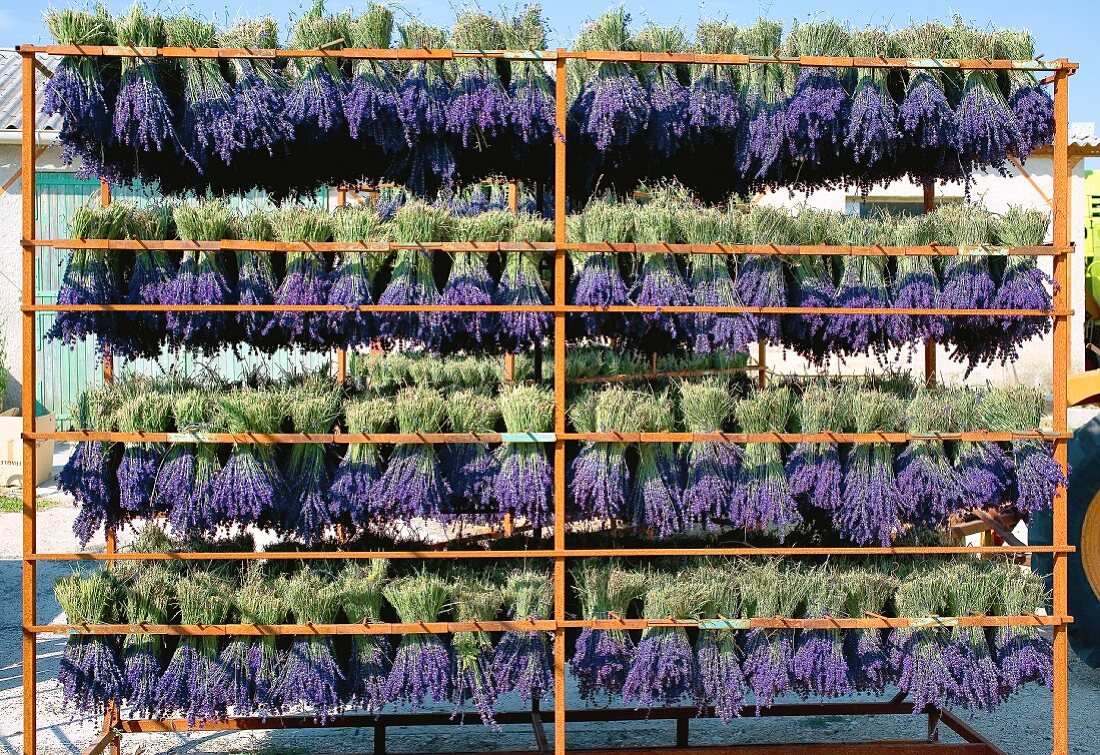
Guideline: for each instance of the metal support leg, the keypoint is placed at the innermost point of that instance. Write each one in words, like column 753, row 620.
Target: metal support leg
column 379, row 739
column 682, row 724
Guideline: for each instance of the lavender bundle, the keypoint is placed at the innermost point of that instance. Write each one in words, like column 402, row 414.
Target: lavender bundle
column 763, row 147
column 713, row 468
column 767, row 592
column 256, row 282
column 428, row 161
column 761, row 280
column 862, row 284
column 668, row 96
column 89, row 670
column 925, row 476
column 206, row 130
column 146, row 602
column 920, row 653
column 814, row 470
column 195, row 682
column 815, row 116
column 521, row 285
column 1023, row 285
column 149, row 279
column 314, row 103
column 91, row 277
column 479, row 108
column 714, row 106
column 313, row 410
column 201, row 278
column 984, row 468
column 475, row 600
column 422, row 664
column 599, row 282
column 873, row 137
column 763, row 498
column 412, row 282
column 819, row 665
column 987, row 130
column 664, row 670
column 522, row 661
column 250, row 489
column 915, row 285
column 869, row 663
column 531, row 91
column 469, row 283
column 371, row 654
column 307, row 280
column 600, row 482
column 659, row 282
column 147, row 410
column 185, row 481
column 602, row 657
column 656, row 496
column 413, row 485
column 88, row 475
column 712, row 285
column 1032, row 108
column 968, row 283
column 1023, row 653
column 370, row 103
column 359, row 470
column 926, row 121
column 255, row 665
column 312, row 679
column 872, row 510
column 721, row 681
column 977, row 682
column 353, row 275
column 472, row 466
column 812, row 286
column 523, row 483
column 1037, row 475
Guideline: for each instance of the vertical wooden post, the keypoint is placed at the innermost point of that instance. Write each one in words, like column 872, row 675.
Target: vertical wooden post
column 513, row 196
column 929, row 344
column 30, row 603
column 341, row 353
column 762, row 365
column 1060, row 379
column 561, row 105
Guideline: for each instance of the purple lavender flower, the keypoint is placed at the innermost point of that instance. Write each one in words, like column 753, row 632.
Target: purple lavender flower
column 469, row 284
column 199, row 280
column 814, row 122
column 987, row 129
column 664, row 670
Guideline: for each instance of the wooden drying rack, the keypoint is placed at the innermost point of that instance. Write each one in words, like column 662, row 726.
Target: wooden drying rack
column 973, row 743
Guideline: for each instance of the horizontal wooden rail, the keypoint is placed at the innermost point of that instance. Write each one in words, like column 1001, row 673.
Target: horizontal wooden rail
column 449, row 627
column 806, row 61
column 335, row 247
column 902, row 550
column 76, row 436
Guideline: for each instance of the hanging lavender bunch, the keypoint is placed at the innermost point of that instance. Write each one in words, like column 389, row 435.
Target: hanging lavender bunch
column 147, row 410
column 313, row 410
column 422, row 664
column 250, row 489
column 255, row 665
column 988, row 132
column 472, row 466
column 354, row 273
column 184, row 486
column 869, row 662
column 89, row 671
column 721, row 681
column 968, row 283
column 818, row 110
column 523, row 483
column 761, row 281
column 470, row 284
column 312, row 678
column 479, row 108
column 915, row 285
column 927, row 124
column 713, row 468
column 521, row 285
column 603, row 657
column 195, row 683
column 531, row 91
column 925, row 476
column 668, row 97
column 411, row 281
column 475, row 600
column 765, row 593
column 873, row 138
column 664, row 670
column 814, row 470
column 599, row 282
column 314, row 103
column 88, row 475
column 206, row 129
column 146, row 601
column 712, row 285
column 201, row 278
column 370, row 104
column 819, row 665
column 656, row 497
column 1023, row 653
column 1037, row 475
column 256, row 282
column 428, row 163
column 763, row 498
column 149, row 277
column 714, row 113
column 1032, row 107
column 871, row 510
column 985, row 470
column 978, row 685
column 813, row 286
column 762, row 152
column 862, row 284
column 920, row 653
column 1023, row 285
column 361, row 467
column 307, row 280
column 659, row 282
column 371, row 654
column 600, row 475
column 413, row 486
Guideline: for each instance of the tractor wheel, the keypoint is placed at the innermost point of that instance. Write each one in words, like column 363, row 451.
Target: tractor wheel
column 1083, row 519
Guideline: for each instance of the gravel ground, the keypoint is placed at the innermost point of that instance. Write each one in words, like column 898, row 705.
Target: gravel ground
column 1020, row 727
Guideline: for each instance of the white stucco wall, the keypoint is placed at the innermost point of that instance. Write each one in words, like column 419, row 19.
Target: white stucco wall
column 996, row 192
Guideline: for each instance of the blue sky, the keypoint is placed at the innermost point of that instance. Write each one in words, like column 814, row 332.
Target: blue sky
column 1070, row 29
